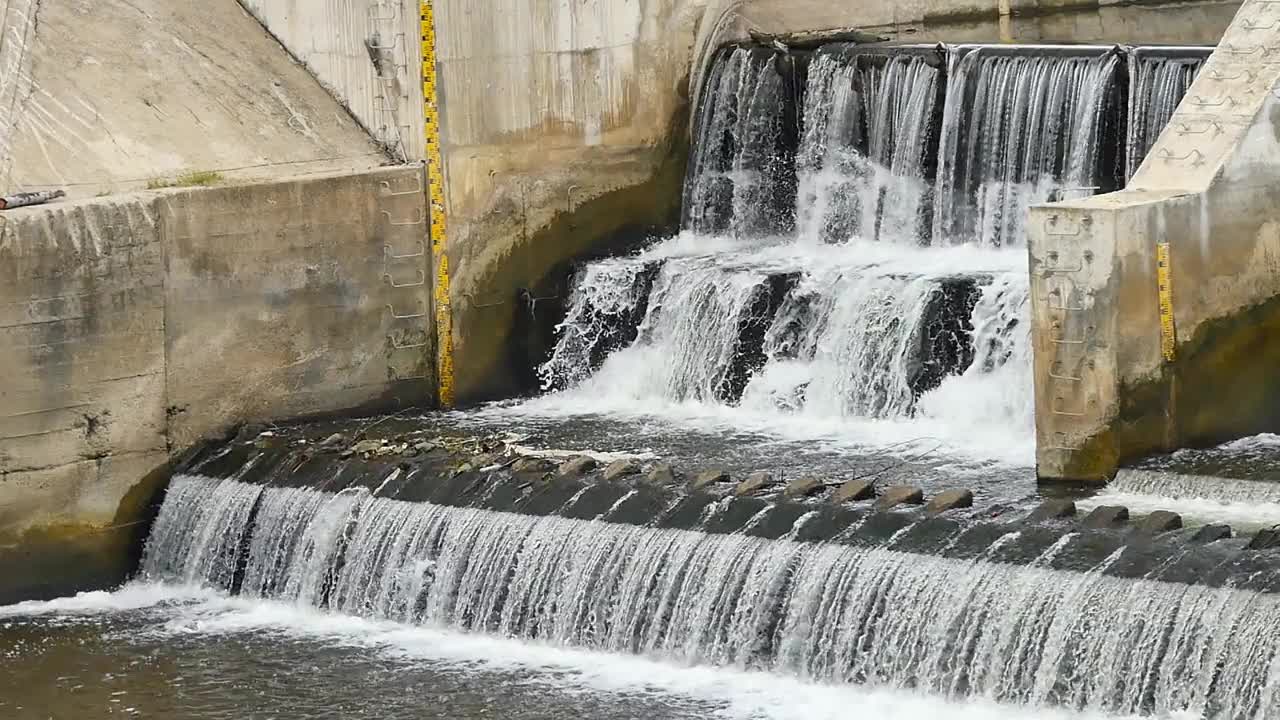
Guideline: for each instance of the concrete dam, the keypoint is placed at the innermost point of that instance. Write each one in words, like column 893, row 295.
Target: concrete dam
column 685, row 358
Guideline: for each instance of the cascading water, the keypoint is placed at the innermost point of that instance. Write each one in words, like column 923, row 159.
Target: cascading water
column 1158, row 82
column 902, row 293
column 740, row 171
column 1020, row 129
column 862, row 164
column 828, row 612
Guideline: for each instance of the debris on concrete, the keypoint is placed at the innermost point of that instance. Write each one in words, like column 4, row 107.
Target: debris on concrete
column 23, row 199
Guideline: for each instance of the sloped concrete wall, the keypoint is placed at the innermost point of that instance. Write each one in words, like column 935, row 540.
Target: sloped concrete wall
column 109, row 95
column 366, row 53
column 132, row 327
column 1112, row 383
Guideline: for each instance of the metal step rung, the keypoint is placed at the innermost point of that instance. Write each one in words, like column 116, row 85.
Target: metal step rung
column 394, row 43
column 407, row 346
column 398, row 316
column 388, row 192
column 422, row 218
column 422, row 280
column 386, row 249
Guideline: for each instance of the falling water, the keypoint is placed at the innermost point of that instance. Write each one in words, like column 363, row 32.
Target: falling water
column 740, row 168
column 1157, row 84
column 1019, row 129
column 865, row 146
column 833, row 613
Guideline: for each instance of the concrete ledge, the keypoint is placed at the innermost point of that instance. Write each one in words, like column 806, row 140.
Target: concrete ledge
column 136, row 325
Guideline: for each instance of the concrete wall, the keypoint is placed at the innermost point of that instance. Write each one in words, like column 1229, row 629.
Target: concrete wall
column 565, row 123
column 366, row 53
column 131, row 327
column 108, row 95
column 1111, row 383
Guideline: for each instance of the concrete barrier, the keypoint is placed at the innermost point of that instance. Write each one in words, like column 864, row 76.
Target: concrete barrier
column 132, row 326
column 1155, row 309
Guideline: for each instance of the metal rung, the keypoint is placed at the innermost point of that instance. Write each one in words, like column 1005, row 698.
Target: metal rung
column 1248, row 75
column 1070, row 378
column 1216, row 102
column 1056, row 411
column 1214, row 126
column 422, row 280
column 1196, row 157
column 386, row 249
column 1060, row 341
column 407, row 346
column 398, row 316
column 422, row 218
column 394, row 43
column 411, row 377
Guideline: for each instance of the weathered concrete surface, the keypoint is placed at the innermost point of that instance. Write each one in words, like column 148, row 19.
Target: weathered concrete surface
column 107, row 95
column 577, row 138
column 1105, row 392
column 366, row 53
column 132, row 326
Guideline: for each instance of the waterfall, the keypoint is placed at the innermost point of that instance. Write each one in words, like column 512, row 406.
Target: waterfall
column 824, row 189
column 861, row 165
column 741, row 168
column 1020, row 129
column 849, row 344
column 810, row 336
column 826, row 612
column 1157, row 84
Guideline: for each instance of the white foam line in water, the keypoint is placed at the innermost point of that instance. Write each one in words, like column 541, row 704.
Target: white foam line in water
column 737, row 693
column 133, row 596
column 1194, row 511
column 597, row 455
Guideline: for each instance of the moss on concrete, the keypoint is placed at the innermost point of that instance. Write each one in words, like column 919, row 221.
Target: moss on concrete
column 62, row 559
column 1221, row 386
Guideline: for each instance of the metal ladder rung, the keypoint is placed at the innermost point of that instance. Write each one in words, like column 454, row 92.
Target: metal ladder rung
column 422, row 218
column 422, row 280
column 410, row 316
column 422, row 251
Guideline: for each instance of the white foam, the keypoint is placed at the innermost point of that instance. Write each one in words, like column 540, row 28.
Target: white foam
column 735, row 693
column 1194, row 511
column 133, row 596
